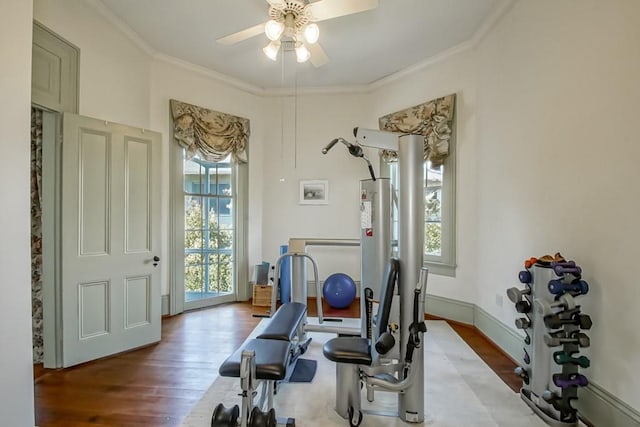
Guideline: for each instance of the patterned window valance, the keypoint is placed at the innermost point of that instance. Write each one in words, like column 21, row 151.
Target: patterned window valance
column 432, row 119
column 209, row 134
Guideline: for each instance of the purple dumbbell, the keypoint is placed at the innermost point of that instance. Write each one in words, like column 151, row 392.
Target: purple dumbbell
column 563, row 263
column 557, row 287
column 571, row 380
column 569, row 267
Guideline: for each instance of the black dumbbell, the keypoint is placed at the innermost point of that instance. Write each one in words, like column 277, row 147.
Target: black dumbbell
column 558, row 287
column 522, row 373
column 516, row 294
column 553, row 321
column 544, row 308
column 523, row 307
column 559, row 404
column 559, row 338
column 523, row 323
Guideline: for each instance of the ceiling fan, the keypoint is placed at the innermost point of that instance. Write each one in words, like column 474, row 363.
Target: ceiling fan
column 291, row 26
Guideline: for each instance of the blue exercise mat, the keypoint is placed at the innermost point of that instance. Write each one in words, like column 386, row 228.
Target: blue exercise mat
column 304, row 371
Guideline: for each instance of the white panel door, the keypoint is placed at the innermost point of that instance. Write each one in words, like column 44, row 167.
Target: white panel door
column 110, row 238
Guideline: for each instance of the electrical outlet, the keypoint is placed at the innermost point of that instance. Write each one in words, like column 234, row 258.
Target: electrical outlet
column 499, row 300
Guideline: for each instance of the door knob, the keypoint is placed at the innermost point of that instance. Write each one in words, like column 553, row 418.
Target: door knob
column 156, row 259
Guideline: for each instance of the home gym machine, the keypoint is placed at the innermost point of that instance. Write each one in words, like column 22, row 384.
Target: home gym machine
column 553, row 325
column 361, row 360
column 375, row 246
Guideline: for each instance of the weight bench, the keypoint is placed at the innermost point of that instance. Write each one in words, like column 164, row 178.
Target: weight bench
column 264, row 361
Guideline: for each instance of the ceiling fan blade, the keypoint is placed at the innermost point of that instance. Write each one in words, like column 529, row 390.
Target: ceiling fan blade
column 278, row 4
column 318, row 55
column 242, row 35
column 329, row 9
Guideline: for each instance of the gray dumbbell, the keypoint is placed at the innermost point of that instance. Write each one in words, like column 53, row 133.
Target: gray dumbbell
column 544, row 308
column 523, row 323
column 557, row 339
column 516, row 294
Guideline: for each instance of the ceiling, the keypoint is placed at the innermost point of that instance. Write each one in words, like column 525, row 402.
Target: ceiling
column 362, row 48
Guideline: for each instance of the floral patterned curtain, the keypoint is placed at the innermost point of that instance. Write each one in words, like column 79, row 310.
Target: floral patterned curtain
column 432, row 119
column 36, row 233
column 209, row 134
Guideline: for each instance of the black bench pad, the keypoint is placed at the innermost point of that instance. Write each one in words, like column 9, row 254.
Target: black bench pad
column 353, row 350
column 284, row 323
column 272, row 358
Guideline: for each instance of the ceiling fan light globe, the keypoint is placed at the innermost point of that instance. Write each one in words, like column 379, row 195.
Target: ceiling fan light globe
column 311, row 33
column 273, row 29
column 271, row 50
column 302, row 53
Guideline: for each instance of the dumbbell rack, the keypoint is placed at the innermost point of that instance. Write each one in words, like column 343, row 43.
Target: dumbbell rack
column 552, row 324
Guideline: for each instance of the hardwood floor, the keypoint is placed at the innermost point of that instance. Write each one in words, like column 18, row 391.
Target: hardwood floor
column 158, row 385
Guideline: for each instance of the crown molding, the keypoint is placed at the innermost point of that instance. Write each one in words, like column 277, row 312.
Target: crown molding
column 429, row 62
column 487, row 25
column 115, row 20
column 318, row 90
column 491, row 21
column 208, row 72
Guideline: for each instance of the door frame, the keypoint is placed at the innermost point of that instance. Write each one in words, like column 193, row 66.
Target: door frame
column 51, row 242
column 176, row 233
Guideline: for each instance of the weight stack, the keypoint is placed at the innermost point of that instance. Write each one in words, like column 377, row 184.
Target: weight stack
column 552, row 324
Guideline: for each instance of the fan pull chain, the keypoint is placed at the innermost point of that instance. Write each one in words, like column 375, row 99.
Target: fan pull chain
column 295, row 118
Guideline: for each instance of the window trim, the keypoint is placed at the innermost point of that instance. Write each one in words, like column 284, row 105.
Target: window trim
column 444, row 264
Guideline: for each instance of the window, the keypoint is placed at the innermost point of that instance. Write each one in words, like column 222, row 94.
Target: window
column 439, row 215
column 208, row 229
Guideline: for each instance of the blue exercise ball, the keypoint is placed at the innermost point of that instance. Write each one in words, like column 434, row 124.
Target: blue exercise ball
column 339, row 290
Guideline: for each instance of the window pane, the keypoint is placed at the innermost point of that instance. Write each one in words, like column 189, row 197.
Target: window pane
column 192, row 176
column 433, row 239
column 193, row 277
column 433, row 209
column 225, row 206
column 225, row 237
column 193, row 237
column 209, row 229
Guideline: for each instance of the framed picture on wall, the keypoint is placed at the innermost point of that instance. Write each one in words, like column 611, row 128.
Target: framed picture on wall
column 314, row 192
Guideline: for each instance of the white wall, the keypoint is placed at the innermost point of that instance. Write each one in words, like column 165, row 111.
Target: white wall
column 298, row 156
column 16, row 371
column 557, row 153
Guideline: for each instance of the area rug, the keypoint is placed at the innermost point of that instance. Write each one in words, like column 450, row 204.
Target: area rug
column 460, row 390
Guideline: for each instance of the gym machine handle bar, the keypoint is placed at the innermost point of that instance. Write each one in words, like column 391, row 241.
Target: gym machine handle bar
column 354, row 149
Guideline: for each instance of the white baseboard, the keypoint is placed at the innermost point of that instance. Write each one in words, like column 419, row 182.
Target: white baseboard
column 451, row 309
column 595, row 405
column 510, row 341
column 601, row 408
